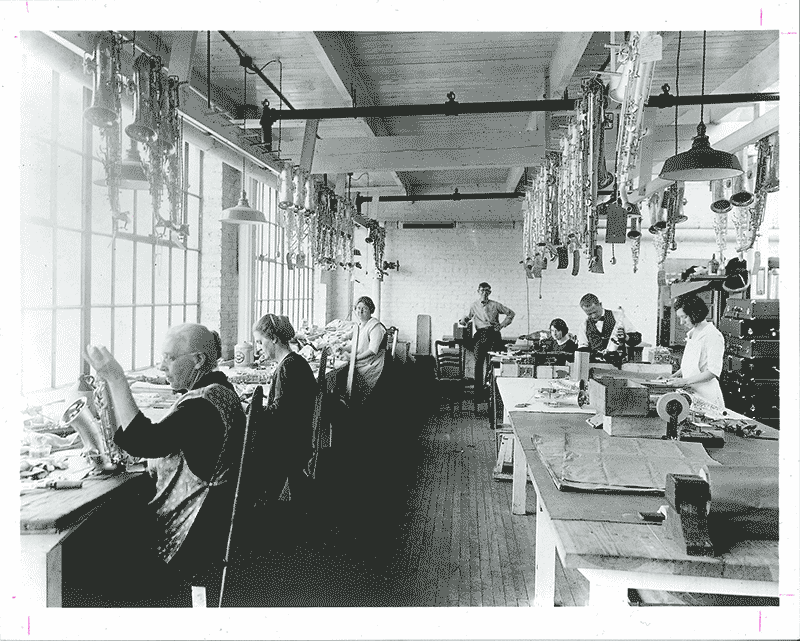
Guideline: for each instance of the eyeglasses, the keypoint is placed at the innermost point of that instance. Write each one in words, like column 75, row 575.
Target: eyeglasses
column 168, row 359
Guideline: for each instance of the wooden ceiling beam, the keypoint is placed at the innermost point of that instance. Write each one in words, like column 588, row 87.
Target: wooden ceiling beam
column 332, row 54
column 565, row 59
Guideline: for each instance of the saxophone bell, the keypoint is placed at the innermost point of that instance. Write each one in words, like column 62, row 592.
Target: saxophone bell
column 720, row 204
column 104, row 112
column 78, row 416
column 144, row 127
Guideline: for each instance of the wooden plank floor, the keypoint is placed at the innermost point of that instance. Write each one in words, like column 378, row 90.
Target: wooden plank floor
column 447, row 538
column 459, row 543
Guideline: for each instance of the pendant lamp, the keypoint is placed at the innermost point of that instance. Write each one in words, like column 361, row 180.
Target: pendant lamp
column 242, row 213
column 131, row 172
column 701, row 163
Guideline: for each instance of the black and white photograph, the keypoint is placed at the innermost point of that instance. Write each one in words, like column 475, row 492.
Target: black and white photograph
column 394, row 320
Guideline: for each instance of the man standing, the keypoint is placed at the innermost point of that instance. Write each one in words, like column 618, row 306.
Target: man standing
column 605, row 331
column 485, row 315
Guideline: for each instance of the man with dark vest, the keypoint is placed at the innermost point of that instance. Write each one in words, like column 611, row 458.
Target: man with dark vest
column 605, row 331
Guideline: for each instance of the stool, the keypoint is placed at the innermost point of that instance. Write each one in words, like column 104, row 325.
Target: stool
column 504, row 444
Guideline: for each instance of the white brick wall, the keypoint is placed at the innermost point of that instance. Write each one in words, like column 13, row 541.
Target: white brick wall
column 440, row 271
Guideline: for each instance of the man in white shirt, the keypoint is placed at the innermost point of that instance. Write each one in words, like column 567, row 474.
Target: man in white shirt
column 485, row 314
column 605, row 331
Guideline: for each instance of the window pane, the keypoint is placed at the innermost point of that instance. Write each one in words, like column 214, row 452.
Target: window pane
column 68, row 194
column 123, row 336
column 193, row 159
column 101, row 270
column 68, row 346
column 70, row 116
column 144, row 273
column 101, row 326
column 193, row 218
column 36, row 96
column 101, row 210
column 192, row 314
column 34, row 189
column 160, row 329
column 123, row 275
column 37, row 338
column 177, row 315
column 193, row 258
column 177, row 276
column 37, row 266
column 143, row 345
column 161, row 274
column 144, row 215
column 126, row 206
column 68, row 268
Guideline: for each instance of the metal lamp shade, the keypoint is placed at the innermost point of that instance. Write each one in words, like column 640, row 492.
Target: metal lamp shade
column 131, row 172
column 701, row 162
column 243, row 213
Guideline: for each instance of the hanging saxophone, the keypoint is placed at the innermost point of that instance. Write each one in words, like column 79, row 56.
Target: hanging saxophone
column 104, row 113
column 590, row 116
column 635, row 94
column 751, row 218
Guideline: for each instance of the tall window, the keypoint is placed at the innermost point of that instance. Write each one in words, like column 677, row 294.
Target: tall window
column 81, row 282
column 279, row 290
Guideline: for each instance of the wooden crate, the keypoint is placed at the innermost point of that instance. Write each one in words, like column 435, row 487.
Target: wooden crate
column 641, row 426
column 611, row 396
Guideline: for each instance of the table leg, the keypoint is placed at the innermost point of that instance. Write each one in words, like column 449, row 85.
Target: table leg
column 519, row 478
column 544, row 573
column 606, row 590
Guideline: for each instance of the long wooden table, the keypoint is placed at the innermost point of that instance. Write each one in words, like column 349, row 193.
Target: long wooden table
column 602, row 535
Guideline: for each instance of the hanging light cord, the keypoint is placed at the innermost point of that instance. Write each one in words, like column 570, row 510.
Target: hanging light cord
column 677, row 90
column 244, row 117
column 703, row 77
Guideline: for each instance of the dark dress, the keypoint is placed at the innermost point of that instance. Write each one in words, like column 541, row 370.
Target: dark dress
column 196, row 450
column 284, row 439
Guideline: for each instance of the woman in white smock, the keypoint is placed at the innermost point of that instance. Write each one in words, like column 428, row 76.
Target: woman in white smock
column 701, row 365
column 370, row 350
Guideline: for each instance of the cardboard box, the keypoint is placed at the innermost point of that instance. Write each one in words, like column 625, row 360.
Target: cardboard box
column 611, row 396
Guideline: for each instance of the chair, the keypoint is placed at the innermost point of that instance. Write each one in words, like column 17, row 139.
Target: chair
column 450, row 371
column 391, row 341
column 318, row 437
column 241, row 498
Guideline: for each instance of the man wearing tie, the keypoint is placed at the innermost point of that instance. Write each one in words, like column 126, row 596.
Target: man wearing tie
column 485, row 314
column 605, row 331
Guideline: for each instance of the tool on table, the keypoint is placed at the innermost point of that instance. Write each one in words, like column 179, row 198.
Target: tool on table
column 673, row 408
column 50, row 484
column 723, row 505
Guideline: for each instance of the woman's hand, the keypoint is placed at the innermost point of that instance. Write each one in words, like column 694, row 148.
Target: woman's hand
column 104, row 363
column 675, row 382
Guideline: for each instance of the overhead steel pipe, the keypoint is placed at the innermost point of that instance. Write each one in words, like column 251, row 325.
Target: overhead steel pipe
column 455, row 108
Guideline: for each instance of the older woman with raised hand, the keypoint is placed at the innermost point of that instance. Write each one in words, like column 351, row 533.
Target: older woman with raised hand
column 286, row 440
column 194, row 450
column 370, row 350
column 701, row 364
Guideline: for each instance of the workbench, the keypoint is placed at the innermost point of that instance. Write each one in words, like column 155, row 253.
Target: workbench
column 601, row 534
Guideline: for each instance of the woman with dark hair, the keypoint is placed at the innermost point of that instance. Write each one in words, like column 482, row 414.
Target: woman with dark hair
column 560, row 340
column 286, row 440
column 701, row 364
column 193, row 454
column 370, row 350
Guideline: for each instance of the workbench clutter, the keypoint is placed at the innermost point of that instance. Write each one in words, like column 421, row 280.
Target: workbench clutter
column 706, row 514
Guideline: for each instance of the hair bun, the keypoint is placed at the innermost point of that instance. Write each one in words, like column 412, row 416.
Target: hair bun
column 217, row 344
